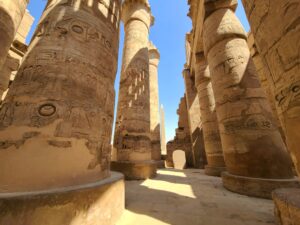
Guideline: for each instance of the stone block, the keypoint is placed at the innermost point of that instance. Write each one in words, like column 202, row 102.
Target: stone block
column 179, row 159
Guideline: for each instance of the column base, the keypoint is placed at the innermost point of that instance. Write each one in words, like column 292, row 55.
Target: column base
column 256, row 187
column 287, row 206
column 160, row 164
column 98, row 203
column 138, row 170
column 214, row 171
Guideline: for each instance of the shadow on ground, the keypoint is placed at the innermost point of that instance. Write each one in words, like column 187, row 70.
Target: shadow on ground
column 189, row 197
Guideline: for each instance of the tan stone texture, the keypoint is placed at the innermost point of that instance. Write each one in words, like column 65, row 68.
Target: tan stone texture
column 287, row 206
column 194, row 118
column 275, row 27
column 132, row 135
column 56, row 121
column 252, row 144
column 11, row 14
column 154, row 57
column 163, row 131
column 263, row 73
column 98, row 203
column 211, row 134
column 15, row 54
column 182, row 139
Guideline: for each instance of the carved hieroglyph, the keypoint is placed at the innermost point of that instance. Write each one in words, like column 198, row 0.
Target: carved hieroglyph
column 56, row 121
column 263, row 74
column 211, row 135
column 132, row 135
column 11, row 14
column 154, row 57
column 252, row 144
column 276, row 29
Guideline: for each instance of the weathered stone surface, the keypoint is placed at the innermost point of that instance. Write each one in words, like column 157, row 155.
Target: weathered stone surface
column 132, row 136
column 179, row 159
column 98, row 203
column 11, row 14
column 194, row 118
column 11, row 64
column 154, row 57
column 263, row 73
column 136, row 170
column 256, row 187
column 275, row 27
column 287, row 206
column 163, row 131
column 56, row 121
column 15, row 54
column 252, row 144
column 211, row 134
column 182, row 139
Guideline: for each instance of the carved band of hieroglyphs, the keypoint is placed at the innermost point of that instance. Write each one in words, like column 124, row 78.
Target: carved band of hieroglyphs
column 289, row 96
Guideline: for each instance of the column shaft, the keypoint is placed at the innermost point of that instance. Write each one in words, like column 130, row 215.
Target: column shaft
column 211, row 134
column 154, row 102
column 252, row 145
column 56, row 121
column 276, row 30
column 132, row 136
column 11, row 14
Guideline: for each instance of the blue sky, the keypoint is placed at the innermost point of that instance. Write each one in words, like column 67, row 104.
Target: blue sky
column 168, row 34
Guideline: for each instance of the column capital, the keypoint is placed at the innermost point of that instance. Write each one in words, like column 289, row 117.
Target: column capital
column 213, row 5
column 154, row 55
column 137, row 10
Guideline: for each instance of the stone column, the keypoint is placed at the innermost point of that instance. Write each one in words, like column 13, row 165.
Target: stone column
column 255, row 155
column 195, row 123
column 154, row 57
column 56, row 121
column 163, row 131
column 11, row 64
column 132, row 135
column 211, row 135
column 263, row 73
column 276, row 30
column 11, row 14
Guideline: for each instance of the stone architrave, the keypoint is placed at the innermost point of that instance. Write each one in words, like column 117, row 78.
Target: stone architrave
column 276, row 30
column 255, row 155
column 211, row 135
column 154, row 57
column 11, row 14
column 56, row 121
column 132, row 138
column 194, row 118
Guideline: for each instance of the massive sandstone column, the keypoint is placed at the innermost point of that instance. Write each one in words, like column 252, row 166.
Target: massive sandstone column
column 162, row 131
column 276, row 30
column 11, row 14
column 255, row 155
column 132, row 136
column 154, row 57
column 56, row 121
column 263, row 74
column 212, row 141
column 11, row 64
column 195, row 123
